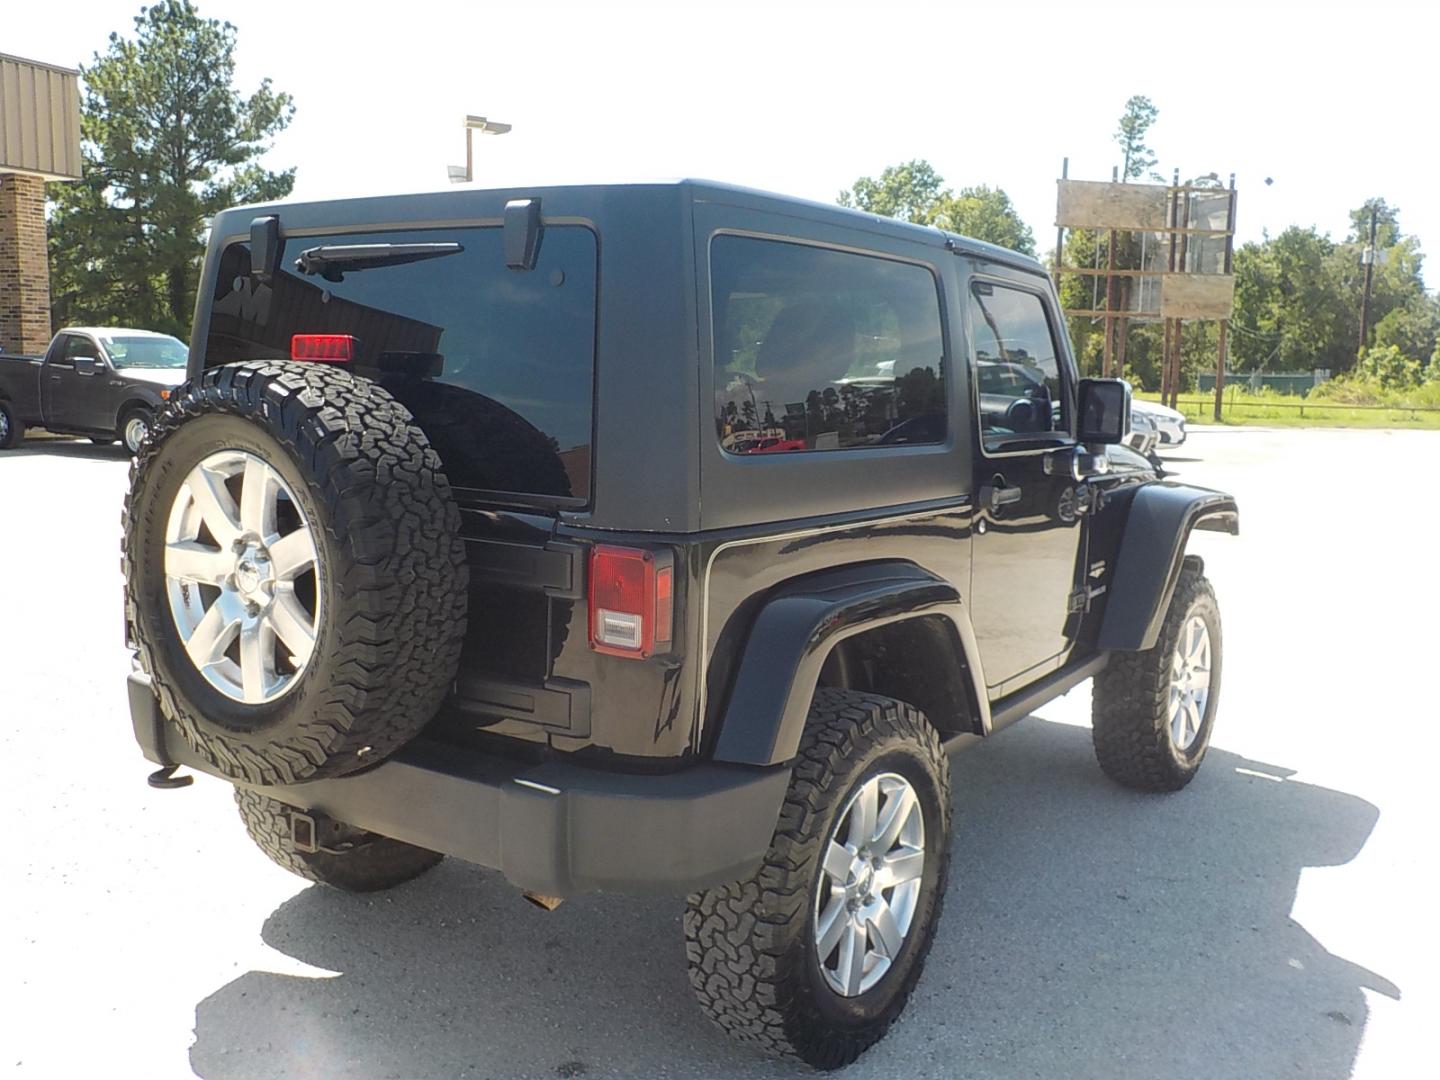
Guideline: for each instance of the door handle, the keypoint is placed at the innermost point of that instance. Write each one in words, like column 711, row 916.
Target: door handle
column 995, row 495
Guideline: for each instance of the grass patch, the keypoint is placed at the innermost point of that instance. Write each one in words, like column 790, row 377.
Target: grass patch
column 1268, row 408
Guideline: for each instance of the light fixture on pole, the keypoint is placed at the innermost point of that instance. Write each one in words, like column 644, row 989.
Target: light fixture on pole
column 473, row 124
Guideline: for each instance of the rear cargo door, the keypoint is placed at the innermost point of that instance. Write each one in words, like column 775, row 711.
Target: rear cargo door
column 496, row 364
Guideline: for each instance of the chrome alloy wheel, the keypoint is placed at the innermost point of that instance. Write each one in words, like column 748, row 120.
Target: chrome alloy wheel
column 243, row 577
column 1189, row 682
column 136, row 428
column 870, row 884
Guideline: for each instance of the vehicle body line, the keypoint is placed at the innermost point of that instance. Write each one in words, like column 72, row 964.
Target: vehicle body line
column 702, row 667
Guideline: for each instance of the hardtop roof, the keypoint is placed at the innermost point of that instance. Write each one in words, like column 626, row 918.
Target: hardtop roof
column 430, row 205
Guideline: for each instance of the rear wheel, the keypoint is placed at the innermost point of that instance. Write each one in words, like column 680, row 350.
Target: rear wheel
column 814, row 955
column 344, row 857
column 12, row 428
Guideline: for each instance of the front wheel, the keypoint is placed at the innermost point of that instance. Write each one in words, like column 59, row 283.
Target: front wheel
column 815, row 954
column 134, row 426
column 1153, row 711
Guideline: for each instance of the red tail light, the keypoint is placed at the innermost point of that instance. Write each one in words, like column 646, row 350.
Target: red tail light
column 325, row 348
column 631, row 601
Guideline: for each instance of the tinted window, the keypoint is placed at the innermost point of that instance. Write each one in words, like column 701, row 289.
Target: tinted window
column 497, row 366
column 1017, row 372
column 823, row 350
column 77, row 345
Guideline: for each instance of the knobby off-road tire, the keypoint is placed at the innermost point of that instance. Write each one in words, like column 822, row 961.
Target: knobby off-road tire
column 751, row 945
column 356, row 860
column 1130, row 702
column 390, row 579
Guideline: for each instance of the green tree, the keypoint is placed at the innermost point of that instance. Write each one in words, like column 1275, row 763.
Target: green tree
column 1134, row 125
column 167, row 141
column 913, row 191
column 1298, row 296
column 987, row 214
column 1292, row 312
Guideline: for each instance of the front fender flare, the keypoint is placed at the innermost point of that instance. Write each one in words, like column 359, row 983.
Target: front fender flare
column 800, row 623
column 1152, row 554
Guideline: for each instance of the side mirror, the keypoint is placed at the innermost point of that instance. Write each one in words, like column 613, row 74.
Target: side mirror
column 1104, row 411
column 265, row 248
column 88, row 365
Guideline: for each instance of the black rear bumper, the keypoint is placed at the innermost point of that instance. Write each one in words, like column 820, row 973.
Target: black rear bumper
column 552, row 828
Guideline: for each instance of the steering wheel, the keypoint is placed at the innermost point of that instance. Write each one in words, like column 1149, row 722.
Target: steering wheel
column 1022, row 415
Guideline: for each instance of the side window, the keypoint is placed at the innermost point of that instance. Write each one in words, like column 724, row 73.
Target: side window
column 823, row 350
column 80, row 345
column 71, row 346
column 1022, row 397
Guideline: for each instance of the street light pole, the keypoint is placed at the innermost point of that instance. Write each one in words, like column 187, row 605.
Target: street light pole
column 1369, row 259
column 485, row 127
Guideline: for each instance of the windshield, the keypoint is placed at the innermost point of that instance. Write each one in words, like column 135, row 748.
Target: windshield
column 146, row 352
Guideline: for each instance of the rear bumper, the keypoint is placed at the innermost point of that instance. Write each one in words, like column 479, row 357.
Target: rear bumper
column 553, row 828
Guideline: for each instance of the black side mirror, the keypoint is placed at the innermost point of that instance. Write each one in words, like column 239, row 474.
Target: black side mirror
column 1104, row 411
column 265, row 247
column 88, row 365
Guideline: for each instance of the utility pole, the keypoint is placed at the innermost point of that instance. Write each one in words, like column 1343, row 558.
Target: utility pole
column 1368, row 258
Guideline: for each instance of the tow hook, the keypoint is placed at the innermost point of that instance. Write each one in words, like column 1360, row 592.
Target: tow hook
column 165, row 778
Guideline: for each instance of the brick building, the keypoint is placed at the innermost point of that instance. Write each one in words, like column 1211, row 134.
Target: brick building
column 39, row 141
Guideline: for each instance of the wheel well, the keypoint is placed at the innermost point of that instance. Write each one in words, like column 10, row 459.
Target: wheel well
column 919, row 661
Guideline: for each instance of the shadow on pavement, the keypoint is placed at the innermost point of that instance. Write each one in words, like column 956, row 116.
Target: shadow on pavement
column 1089, row 931
column 68, row 448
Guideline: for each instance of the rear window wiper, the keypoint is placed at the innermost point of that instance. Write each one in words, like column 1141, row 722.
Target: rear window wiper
column 333, row 261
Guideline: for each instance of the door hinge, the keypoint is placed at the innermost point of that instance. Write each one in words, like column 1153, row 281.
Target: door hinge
column 1077, row 601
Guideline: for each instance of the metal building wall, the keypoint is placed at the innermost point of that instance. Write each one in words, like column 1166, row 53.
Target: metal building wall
column 39, row 119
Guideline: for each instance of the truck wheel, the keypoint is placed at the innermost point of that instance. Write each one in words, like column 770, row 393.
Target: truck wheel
column 347, row 858
column 295, row 580
column 12, row 428
column 1153, row 711
column 134, row 426
column 814, row 955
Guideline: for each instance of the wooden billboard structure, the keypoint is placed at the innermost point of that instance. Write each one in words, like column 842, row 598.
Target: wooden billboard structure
column 1181, row 238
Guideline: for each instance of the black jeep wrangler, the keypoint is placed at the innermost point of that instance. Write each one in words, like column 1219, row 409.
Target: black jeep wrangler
column 657, row 537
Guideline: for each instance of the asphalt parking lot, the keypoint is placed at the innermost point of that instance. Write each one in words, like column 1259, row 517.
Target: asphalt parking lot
column 1277, row 918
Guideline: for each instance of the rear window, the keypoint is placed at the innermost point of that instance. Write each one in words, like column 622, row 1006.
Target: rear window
column 496, row 365
column 818, row 349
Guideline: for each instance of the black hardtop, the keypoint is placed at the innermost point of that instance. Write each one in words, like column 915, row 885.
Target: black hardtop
column 572, row 201
column 652, row 435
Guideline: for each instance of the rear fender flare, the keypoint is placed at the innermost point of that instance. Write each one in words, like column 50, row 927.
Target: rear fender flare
column 796, row 629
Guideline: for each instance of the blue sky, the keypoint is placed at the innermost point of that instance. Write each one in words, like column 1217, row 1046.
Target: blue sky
column 1335, row 102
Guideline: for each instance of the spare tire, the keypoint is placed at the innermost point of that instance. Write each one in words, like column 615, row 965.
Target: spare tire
column 295, row 582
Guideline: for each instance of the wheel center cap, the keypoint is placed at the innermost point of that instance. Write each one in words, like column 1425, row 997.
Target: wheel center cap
column 254, row 575
column 864, row 875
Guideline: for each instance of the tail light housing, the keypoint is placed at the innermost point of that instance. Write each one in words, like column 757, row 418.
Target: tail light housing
column 324, row 348
column 632, row 601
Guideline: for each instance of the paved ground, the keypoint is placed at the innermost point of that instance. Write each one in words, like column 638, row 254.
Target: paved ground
column 1275, row 919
